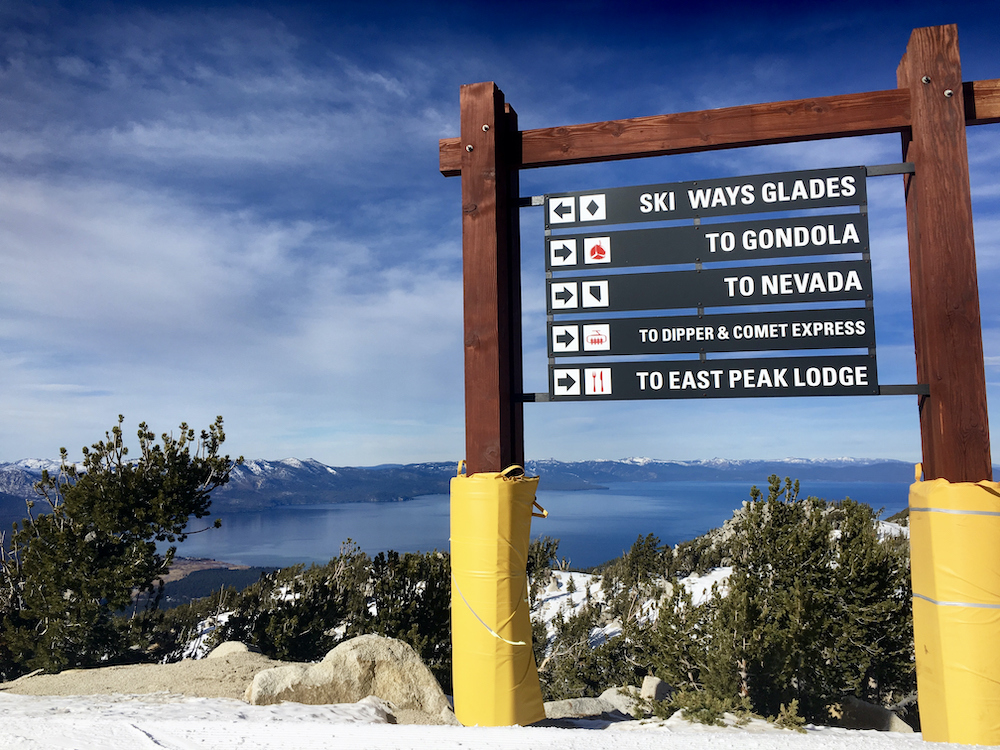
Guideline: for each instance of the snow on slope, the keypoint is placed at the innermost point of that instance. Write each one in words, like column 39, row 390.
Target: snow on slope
column 178, row 723
column 700, row 587
column 556, row 599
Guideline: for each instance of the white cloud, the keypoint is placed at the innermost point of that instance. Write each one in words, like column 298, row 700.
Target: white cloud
column 127, row 292
column 242, row 99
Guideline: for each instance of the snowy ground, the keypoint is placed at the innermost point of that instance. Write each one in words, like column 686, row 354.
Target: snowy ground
column 161, row 721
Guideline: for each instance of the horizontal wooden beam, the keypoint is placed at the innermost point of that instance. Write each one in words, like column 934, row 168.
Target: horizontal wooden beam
column 982, row 102
column 731, row 127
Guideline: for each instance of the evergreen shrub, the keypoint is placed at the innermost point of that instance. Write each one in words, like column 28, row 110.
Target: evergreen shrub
column 817, row 607
column 80, row 583
column 300, row 613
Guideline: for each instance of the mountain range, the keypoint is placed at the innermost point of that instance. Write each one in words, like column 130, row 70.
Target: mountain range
column 259, row 484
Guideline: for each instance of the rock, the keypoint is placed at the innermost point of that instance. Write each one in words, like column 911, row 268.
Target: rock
column 368, row 665
column 655, row 689
column 282, row 683
column 222, row 677
column 231, row 647
column 623, row 699
column 853, row 713
column 377, row 710
column 576, row 708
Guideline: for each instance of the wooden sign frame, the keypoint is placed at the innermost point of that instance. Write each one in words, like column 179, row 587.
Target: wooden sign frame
column 931, row 109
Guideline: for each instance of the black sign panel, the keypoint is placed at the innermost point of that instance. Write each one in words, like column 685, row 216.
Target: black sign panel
column 783, row 191
column 748, row 285
column 838, row 328
column 734, row 378
column 767, row 238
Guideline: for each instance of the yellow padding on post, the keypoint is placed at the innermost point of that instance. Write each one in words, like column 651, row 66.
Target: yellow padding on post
column 961, row 522
column 955, row 567
column 493, row 667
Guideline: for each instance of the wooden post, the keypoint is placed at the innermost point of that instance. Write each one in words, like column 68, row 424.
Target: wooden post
column 945, row 292
column 490, row 152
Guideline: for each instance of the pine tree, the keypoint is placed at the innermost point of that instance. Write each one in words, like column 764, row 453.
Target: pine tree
column 574, row 665
column 635, row 577
column 409, row 598
column 538, row 566
column 817, row 607
column 299, row 613
column 293, row 614
column 91, row 555
column 679, row 642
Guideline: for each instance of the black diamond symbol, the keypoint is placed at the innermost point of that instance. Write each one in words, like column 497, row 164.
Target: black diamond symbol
column 592, row 207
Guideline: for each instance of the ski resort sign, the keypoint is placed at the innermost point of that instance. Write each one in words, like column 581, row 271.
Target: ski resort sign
column 589, row 236
column 770, row 238
column 720, row 197
column 732, row 268
column 756, row 285
column 784, row 376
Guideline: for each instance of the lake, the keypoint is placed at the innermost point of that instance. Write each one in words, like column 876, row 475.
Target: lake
column 593, row 526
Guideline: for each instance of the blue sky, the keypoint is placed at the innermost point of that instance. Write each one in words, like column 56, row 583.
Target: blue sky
column 235, row 208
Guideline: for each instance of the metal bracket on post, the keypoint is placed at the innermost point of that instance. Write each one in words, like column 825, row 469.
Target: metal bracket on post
column 532, row 398
column 879, row 170
column 918, row 389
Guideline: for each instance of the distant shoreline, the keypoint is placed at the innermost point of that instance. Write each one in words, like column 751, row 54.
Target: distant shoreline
column 182, row 567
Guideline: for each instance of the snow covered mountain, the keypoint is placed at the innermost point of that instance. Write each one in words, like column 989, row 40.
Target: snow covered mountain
column 720, row 470
column 291, row 481
column 260, row 484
